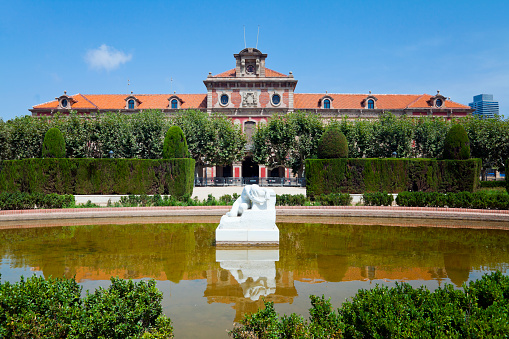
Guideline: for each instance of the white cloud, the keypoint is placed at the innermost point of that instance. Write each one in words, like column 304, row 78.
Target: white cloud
column 106, row 57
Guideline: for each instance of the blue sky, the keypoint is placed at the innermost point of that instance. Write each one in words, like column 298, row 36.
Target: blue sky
column 406, row 47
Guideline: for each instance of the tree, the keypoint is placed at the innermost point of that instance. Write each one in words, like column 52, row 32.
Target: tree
column 332, row 145
column 53, row 145
column 456, row 144
column 212, row 140
column 429, row 136
column 175, row 145
column 392, row 134
column 287, row 140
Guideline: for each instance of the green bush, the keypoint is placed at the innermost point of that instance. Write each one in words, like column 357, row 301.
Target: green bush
column 332, row 145
column 478, row 200
column 53, row 308
column 480, row 310
column 98, row 176
column 175, row 145
column 456, row 144
column 324, row 176
column 333, row 199
column 53, row 145
column 377, row 199
column 290, row 200
column 23, row 200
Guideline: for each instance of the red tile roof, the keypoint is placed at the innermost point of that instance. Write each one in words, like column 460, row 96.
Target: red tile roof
column 268, row 73
column 385, row 101
column 301, row 101
column 117, row 101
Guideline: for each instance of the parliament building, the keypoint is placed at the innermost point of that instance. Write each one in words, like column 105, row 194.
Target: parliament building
column 249, row 94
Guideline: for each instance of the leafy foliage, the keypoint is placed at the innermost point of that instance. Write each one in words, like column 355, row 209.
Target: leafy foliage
column 212, row 140
column 480, row 310
column 53, row 145
column 287, row 140
column 53, row 308
column 332, row 145
column 175, row 145
column 456, row 144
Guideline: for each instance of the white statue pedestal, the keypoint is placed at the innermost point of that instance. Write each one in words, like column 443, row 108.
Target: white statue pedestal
column 252, row 219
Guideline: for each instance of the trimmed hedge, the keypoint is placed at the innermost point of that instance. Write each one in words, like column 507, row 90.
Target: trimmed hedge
column 324, row 176
column 98, row 176
column 377, row 199
column 485, row 200
column 479, row 310
column 54, row 308
column 23, row 200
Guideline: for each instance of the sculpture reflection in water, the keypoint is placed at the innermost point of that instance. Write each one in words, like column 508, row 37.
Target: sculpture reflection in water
column 253, row 269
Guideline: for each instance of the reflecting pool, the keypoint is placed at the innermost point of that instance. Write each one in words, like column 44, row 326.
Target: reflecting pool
column 206, row 288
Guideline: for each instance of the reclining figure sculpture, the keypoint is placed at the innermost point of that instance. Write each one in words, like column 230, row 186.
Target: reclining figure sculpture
column 252, row 218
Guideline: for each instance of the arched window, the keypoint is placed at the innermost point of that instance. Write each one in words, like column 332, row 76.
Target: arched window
column 439, row 103
column 174, row 104
column 224, row 99
column 64, row 103
column 326, row 103
column 371, row 104
column 130, row 104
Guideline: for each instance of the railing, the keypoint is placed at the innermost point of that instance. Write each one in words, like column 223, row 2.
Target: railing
column 230, row 181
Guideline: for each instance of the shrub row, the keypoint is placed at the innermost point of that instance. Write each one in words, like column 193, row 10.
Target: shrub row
column 377, row 199
column 333, row 199
column 24, row 201
column 165, row 200
column 480, row 310
column 481, row 199
column 53, row 308
column 324, row 176
column 492, row 184
column 98, row 176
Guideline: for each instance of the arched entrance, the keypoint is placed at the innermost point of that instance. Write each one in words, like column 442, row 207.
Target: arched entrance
column 249, row 168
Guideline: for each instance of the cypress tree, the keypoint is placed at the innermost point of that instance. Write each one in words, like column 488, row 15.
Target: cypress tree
column 53, row 145
column 456, row 144
column 332, row 144
column 175, row 145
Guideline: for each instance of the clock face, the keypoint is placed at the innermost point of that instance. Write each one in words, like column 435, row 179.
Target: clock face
column 250, row 69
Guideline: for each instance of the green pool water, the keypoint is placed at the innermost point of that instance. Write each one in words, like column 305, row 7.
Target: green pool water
column 206, row 288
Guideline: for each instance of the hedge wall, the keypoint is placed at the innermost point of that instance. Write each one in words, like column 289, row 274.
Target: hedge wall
column 98, row 176
column 324, row 176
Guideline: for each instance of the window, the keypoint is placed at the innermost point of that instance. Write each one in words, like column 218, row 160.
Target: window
column 130, row 104
column 224, row 99
column 174, row 104
column 250, row 69
column 64, row 103
column 439, row 103
column 276, row 99
column 371, row 104
column 326, row 103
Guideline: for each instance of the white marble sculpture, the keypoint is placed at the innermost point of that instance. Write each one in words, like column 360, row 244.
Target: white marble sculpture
column 252, row 218
column 254, row 270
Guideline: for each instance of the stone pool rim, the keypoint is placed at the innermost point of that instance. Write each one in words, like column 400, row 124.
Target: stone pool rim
column 307, row 211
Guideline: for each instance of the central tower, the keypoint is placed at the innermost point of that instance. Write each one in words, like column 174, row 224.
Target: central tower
column 250, row 88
